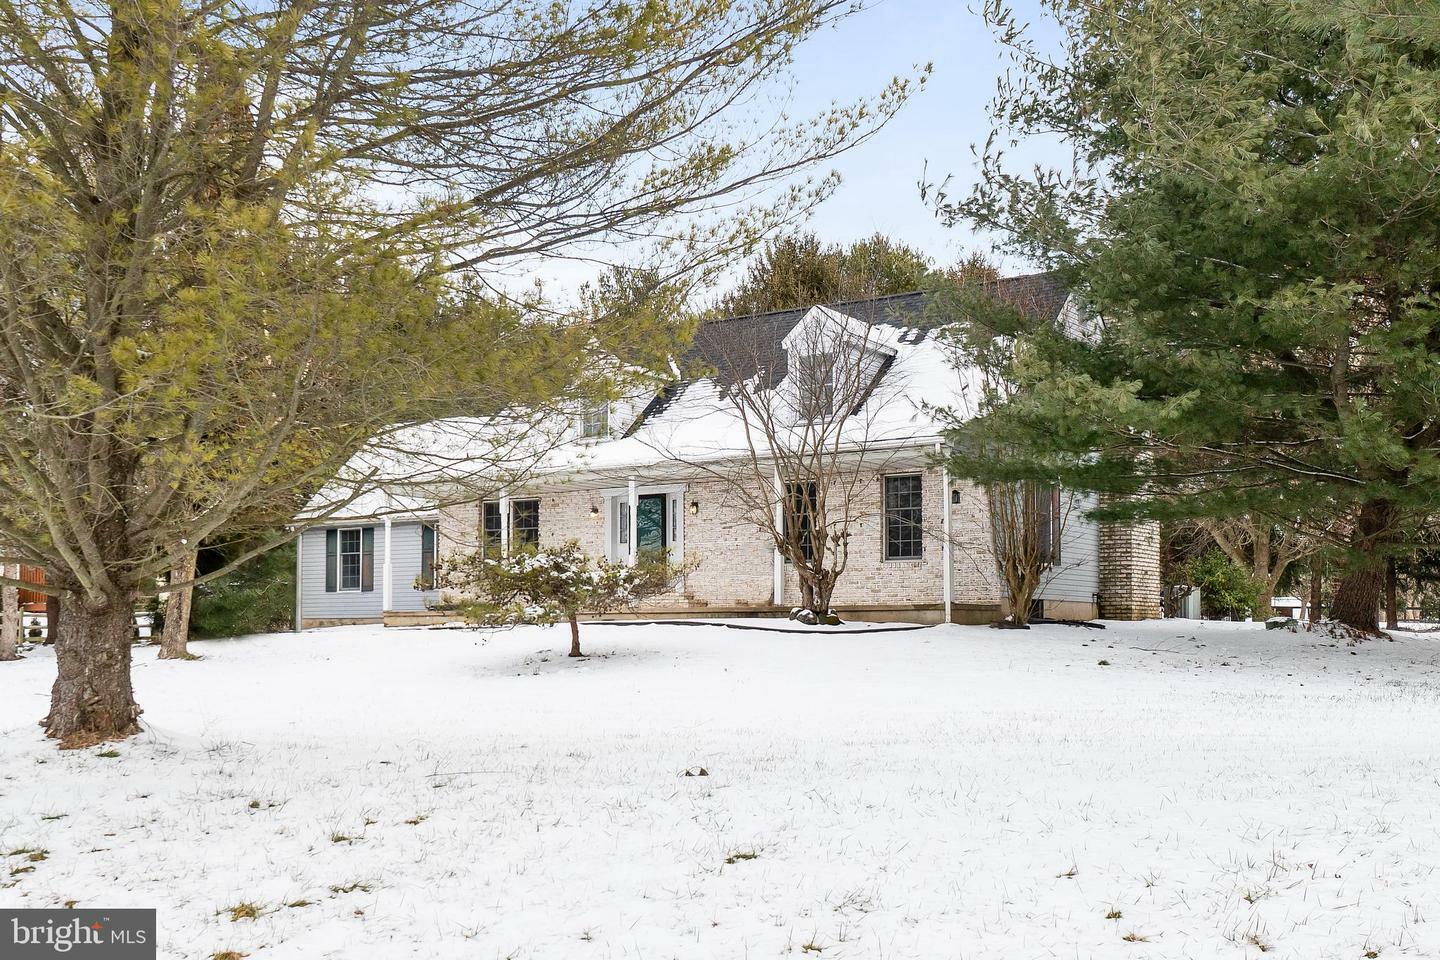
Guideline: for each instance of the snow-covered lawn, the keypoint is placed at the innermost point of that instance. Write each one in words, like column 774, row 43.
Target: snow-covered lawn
column 1214, row 791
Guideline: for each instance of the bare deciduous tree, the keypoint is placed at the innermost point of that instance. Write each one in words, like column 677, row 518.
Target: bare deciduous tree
column 1027, row 524
column 797, row 456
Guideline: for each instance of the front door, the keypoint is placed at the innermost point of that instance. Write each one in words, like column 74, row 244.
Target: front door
column 651, row 528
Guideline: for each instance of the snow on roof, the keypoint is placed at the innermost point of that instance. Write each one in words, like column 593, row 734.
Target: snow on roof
column 693, row 420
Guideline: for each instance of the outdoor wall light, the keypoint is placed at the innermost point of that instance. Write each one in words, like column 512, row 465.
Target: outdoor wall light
column 694, row 508
column 594, row 510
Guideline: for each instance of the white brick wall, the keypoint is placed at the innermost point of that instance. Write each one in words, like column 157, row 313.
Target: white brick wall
column 734, row 557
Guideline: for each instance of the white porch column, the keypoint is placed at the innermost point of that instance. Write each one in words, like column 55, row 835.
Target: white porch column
column 779, row 560
column 948, row 576
column 299, row 582
column 387, row 590
column 633, row 499
column 504, row 523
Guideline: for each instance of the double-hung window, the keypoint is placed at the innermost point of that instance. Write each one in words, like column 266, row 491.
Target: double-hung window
column 595, row 421
column 524, row 524
column 903, row 517
column 801, row 507
column 814, row 387
column 350, row 559
column 491, row 529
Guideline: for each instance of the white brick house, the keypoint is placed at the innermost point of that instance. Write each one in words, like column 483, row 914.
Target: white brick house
column 649, row 473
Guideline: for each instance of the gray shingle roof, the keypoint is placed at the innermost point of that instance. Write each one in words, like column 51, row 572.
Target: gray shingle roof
column 739, row 347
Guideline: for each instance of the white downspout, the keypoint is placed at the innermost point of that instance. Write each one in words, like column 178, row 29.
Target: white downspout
column 633, row 499
column 779, row 559
column 387, row 591
column 299, row 583
column 946, row 548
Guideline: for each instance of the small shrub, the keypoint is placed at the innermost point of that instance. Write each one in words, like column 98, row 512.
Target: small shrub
column 739, row 855
column 550, row 585
column 228, row 955
column 1226, row 588
column 243, row 911
column 108, row 754
column 1133, row 937
column 1113, row 914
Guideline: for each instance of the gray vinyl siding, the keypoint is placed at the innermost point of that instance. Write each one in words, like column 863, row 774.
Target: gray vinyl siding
column 405, row 567
column 1078, row 575
column 363, row 605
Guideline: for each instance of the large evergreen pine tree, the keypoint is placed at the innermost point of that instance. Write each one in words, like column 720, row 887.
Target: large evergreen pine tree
column 1255, row 216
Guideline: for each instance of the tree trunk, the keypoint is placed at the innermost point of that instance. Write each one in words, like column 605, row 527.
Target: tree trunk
column 1357, row 599
column 92, row 700
column 575, row 637
column 1317, row 584
column 807, row 589
column 176, row 635
column 1392, row 615
column 1260, row 570
column 10, row 623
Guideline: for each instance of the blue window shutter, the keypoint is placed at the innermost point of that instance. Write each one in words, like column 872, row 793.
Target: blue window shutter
column 332, row 559
column 367, row 560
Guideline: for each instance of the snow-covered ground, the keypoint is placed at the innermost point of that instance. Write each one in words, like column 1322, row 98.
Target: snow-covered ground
column 1172, row 789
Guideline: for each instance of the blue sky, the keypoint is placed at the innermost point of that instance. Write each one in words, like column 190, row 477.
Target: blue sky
column 938, row 127
column 931, row 137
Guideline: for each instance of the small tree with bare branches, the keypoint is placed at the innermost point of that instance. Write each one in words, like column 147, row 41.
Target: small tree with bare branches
column 796, row 456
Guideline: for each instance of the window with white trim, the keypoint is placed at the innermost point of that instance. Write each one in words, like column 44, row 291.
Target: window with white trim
column 814, row 379
column 595, row 421
column 491, row 529
column 524, row 524
column 904, row 510
column 350, row 559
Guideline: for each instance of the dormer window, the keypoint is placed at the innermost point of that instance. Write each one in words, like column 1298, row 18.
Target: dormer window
column 595, row 421
column 814, row 379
